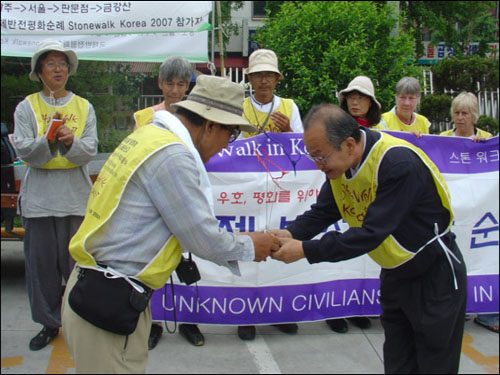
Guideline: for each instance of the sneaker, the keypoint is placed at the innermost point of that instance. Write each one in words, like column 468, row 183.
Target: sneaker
column 338, row 325
column 192, row 334
column 290, row 328
column 45, row 336
column 154, row 335
column 246, row 332
column 360, row 321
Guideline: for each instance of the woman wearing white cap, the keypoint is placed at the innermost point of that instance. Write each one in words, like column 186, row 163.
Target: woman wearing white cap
column 358, row 99
column 56, row 185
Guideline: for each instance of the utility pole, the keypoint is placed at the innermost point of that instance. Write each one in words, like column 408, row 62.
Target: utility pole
column 221, row 40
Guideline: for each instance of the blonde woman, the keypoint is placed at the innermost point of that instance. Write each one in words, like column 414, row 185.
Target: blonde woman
column 465, row 113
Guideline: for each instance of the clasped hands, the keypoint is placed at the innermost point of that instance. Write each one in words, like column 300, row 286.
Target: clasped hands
column 277, row 243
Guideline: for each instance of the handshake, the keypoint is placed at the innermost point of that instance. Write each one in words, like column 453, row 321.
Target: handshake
column 276, row 243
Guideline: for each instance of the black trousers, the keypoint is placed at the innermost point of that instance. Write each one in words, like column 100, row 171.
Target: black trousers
column 423, row 319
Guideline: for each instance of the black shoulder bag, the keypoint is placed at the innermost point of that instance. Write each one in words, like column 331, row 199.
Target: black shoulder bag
column 108, row 301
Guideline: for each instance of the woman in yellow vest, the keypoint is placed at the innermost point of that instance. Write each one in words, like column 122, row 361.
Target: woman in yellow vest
column 398, row 209
column 403, row 116
column 57, row 184
column 465, row 113
column 173, row 80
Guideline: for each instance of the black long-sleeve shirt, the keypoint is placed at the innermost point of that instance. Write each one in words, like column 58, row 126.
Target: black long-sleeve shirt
column 406, row 205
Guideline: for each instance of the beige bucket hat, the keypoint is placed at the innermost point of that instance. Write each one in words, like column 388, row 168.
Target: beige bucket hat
column 361, row 84
column 263, row 60
column 217, row 99
column 53, row 45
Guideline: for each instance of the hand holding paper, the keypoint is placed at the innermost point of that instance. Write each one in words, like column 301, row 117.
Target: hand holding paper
column 58, row 131
column 54, row 124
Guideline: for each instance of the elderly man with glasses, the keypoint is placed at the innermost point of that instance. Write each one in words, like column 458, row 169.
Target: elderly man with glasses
column 56, row 185
column 402, row 222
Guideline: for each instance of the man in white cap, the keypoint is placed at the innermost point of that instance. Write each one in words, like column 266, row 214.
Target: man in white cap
column 268, row 113
column 56, row 185
column 263, row 109
column 155, row 186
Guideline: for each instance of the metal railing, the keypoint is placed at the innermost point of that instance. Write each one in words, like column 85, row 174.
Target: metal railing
column 488, row 100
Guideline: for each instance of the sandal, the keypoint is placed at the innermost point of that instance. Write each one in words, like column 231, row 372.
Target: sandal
column 490, row 328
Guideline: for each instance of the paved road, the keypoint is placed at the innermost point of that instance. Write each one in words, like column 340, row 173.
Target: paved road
column 315, row 349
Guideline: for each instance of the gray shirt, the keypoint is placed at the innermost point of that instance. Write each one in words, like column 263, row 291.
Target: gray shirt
column 53, row 192
column 163, row 197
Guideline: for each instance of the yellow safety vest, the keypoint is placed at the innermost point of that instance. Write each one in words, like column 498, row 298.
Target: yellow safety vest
column 479, row 132
column 390, row 121
column 354, row 196
column 257, row 118
column 106, row 195
column 75, row 111
column 144, row 116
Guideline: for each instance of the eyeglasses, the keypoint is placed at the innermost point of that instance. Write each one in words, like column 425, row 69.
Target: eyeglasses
column 318, row 159
column 52, row 65
column 234, row 130
column 267, row 75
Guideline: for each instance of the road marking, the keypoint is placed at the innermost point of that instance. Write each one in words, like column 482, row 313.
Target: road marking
column 60, row 358
column 12, row 362
column 262, row 356
column 490, row 364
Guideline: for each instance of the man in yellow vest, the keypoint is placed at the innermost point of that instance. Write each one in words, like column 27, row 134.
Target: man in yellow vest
column 268, row 113
column 263, row 109
column 57, row 184
column 173, row 80
column 402, row 222
column 151, row 201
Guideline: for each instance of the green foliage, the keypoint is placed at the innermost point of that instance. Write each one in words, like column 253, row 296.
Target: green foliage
column 322, row 46
column 456, row 23
column 436, row 107
column 489, row 124
column 462, row 74
column 110, row 138
column 15, row 87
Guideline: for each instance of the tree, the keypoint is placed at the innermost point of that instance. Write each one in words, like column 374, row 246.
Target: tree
column 456, row 23
column 322, row 46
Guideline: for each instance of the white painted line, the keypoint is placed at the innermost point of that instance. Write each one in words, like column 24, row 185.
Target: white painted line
column 262, row 356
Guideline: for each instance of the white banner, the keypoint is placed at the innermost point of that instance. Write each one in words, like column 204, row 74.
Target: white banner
column 103, row 17
column 147, row 31
column 124, row 47
column 256, row 188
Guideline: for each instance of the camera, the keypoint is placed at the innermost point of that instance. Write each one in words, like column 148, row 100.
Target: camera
column 187, row 271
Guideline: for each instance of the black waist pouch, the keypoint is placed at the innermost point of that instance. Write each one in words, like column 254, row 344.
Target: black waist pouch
column 111, row 304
